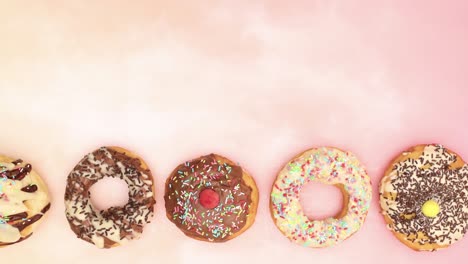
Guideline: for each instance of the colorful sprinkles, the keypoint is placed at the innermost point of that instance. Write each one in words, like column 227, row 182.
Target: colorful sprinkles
column 328, row 166
column 182, row 198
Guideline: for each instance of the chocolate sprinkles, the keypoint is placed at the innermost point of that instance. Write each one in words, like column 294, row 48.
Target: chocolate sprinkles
column 429, row 177
column 107, row 228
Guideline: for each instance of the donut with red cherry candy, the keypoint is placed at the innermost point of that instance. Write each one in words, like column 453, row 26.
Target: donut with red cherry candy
column 211, row 198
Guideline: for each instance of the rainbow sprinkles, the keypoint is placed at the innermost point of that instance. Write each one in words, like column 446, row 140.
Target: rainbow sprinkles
column 185, row 208
column 328, row 166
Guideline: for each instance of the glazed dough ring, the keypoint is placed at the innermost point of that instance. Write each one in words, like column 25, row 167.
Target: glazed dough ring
column 427, row 177
column 329, row 166
column 24, row 200
column 116, row 225
column 228, row 208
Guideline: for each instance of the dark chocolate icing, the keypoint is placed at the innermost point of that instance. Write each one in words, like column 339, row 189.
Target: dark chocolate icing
column 182, row 199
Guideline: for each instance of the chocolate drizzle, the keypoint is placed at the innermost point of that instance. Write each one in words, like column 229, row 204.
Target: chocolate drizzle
column 15, row 217
column 17, row 174
column 45, row 209
column 30, row 188
column 25, row 223
column 17, row 162
column 14, row 176
column 430, row 176
column 183, row 188
column 108, row 228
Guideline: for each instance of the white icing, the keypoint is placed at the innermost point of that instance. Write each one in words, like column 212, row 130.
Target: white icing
column 14, row 201
column 80, row 210
column 432, row 154
column 9, row 234
column 98, row 241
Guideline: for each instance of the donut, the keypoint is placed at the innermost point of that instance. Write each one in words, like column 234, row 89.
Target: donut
column 424, row 197
column 24, row 200
column 326, row 165
column 211, row 198
column 116, row 225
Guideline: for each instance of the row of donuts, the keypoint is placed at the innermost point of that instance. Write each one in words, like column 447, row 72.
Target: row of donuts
column 423, row 197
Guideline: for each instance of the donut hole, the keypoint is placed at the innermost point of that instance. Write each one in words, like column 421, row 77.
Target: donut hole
column 109, row 192
column 320, row 201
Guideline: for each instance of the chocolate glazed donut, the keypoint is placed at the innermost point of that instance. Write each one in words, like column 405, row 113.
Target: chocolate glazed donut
column 211, row 198
column 24, row 200
column 116, row 225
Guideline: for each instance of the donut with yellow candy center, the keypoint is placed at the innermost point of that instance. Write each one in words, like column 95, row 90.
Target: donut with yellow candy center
column 328, row 166
column 430, row 208
column 424, row 197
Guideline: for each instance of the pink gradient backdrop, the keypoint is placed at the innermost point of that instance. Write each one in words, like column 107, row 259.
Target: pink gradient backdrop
column 257, row 81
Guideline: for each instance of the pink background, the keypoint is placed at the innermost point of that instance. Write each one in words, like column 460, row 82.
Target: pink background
column 257, row 81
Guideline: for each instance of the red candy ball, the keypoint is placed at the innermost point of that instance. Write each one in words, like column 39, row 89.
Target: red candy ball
column 209, row 198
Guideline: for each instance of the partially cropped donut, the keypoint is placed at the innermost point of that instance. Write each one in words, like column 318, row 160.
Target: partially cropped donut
column 424, row 197
column 24, row 200
column 116, row 225
column 211, row 198
column 328, row 166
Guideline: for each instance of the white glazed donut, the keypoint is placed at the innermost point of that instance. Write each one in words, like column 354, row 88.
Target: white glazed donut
column 328, row 166
column 24, row 200
column 116, row 225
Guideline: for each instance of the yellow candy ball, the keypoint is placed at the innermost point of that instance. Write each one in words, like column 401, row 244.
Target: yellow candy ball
column 430, row 208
